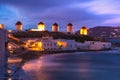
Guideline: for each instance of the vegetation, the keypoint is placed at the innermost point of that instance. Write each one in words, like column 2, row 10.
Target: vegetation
column 55, row 35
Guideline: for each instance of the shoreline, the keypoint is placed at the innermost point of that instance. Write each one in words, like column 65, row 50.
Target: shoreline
column 36, row 54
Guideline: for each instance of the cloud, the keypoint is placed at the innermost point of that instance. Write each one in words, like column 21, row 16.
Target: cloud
column 100, row 7
column 6, row 11
column 9, row 15
column 113, row 21
column 80, row 12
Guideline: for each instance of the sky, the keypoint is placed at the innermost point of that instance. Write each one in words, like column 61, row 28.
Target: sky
column 89, row 13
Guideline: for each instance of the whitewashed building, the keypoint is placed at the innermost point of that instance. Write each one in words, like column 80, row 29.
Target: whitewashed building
column 82, row 46
column 50, row 44
column 44, row 44
column 71, row 45
column 2, row 26
column 98, row 45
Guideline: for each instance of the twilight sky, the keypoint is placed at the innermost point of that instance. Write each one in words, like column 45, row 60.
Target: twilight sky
column 80, row 13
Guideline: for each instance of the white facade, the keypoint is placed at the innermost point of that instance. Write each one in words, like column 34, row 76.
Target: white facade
column 3, row 53
column 69, row 28
column 49, row 44
column 83, row 46
column 55, row 27
column 2, row 26
column 97, row 45
column 44, row 44
column 19, row 27
column 71, row 45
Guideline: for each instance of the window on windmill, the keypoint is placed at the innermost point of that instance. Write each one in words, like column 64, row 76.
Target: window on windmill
column 62, row 44
column 41, row 27
column 83, row 32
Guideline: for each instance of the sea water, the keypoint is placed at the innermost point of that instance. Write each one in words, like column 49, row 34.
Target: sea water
column 95, row 65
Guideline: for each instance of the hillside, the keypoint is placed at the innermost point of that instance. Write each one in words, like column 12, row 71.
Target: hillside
column 105, row 32
column 55, row 35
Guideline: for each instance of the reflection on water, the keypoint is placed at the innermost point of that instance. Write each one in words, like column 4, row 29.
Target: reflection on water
column 75, row 66
column 15, row 72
